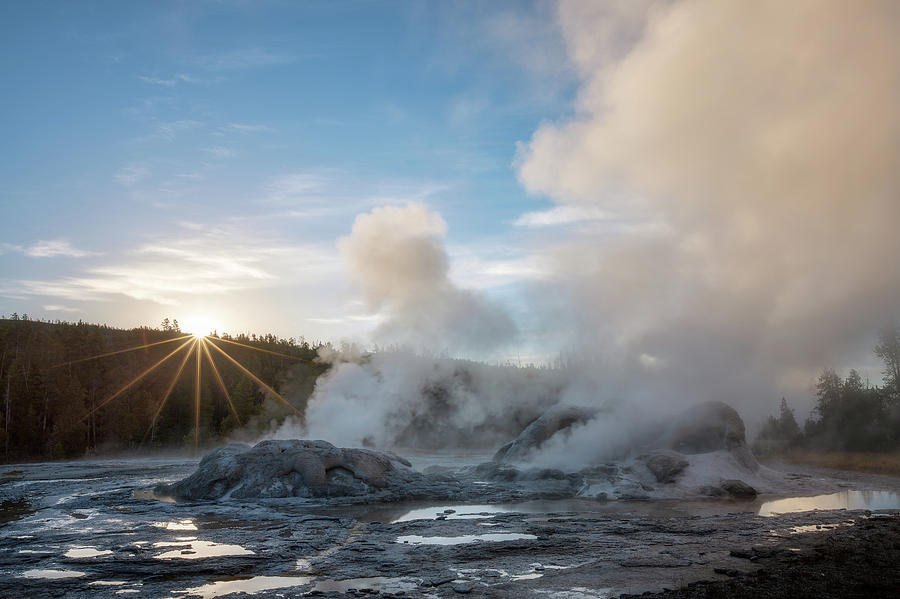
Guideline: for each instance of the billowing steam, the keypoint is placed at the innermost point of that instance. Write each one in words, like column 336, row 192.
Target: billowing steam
column 751, row 151
column 400, row 399
column 754, row 150
column 396, row 256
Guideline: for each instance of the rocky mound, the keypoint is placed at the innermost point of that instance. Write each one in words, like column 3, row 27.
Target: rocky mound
column 295, row 468
column 702, row 451
column 555, row 420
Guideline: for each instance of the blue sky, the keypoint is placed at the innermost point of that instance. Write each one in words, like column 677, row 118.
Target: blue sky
column 193, row 159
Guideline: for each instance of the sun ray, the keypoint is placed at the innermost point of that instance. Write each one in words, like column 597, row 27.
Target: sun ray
column 267, row 351
column 255, row 378
column 133, row 381
column 218, row 376
column 121, row 351
column 171, row 386
column 197, row 398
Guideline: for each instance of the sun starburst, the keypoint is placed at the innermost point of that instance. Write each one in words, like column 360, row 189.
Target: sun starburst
column 196, row 345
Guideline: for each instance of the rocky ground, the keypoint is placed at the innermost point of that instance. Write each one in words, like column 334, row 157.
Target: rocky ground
column 89, row 529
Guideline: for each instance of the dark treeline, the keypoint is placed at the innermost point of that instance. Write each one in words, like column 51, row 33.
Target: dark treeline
column 52, row 399
column 849, row 415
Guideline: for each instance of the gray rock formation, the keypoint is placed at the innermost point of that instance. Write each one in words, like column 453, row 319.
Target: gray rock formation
column 666, row 466
column 711, row 426
column 734, row 488
column 554, row 420
column 292, row 468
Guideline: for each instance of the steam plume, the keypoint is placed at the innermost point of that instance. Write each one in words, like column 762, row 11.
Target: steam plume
column 753, row 147
column 396, row 256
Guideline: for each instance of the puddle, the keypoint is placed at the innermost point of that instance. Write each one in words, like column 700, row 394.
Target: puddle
column 251, row 585
column 52, row 574
column 86, row 552
column 796, row 530
column 454, row 512
column 191, row 548
column 149, row 494
column 845, row 500
column 179, row 525
column 491, row 537
column 378, row 583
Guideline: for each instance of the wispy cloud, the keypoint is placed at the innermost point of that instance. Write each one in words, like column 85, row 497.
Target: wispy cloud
column 485, row 268
column 296, row 186
column 560, row 216
column 245, row 128
column 204, row 261
column 54, row 248
column 170, row 130
column 247, row 58
column 59, row 308
column 130, row 174
column 221, row 151
column 176, row 80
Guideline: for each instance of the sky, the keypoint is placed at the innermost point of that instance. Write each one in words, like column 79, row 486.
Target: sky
column 199, row 160
column 695, row 195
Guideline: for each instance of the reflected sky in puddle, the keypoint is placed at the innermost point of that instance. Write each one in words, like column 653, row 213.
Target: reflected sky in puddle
column 251, row 585
column 52, row 574
column 491, row 537
column 177, row 525
column 847, row 500
column 151, row 496
column 191, row 548
column 453, row 512
column 86, row 552
column 258, row 584
column 817, row 527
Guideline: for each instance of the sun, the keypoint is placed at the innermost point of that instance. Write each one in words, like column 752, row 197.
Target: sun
column 200, row 324
column 198, row 343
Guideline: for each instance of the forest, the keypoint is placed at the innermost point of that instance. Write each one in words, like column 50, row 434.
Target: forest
column 69, row 389
column 850, row 415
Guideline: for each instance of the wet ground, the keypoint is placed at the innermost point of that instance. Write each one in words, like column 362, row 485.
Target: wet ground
column 90, row 529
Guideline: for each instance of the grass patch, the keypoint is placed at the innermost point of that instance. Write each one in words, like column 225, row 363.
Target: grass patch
column 858, row 461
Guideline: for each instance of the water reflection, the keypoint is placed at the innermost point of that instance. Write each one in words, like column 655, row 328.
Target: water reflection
column 51, row 574
column 495, row 537
column 191, row 548
column 86, row 552
column 454, row 512
column 845, row 500
column 378, row 583
column 250, row 585
column 178, row 525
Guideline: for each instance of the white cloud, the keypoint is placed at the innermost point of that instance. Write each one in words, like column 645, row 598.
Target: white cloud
column 559, row 216
column 211, row 261
column 53, row 248
column 130, row 174
column 59, row 308
column 221, row 152
column 174, row 81
column 170, row 130
column 244, row 59
column 246, row 128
